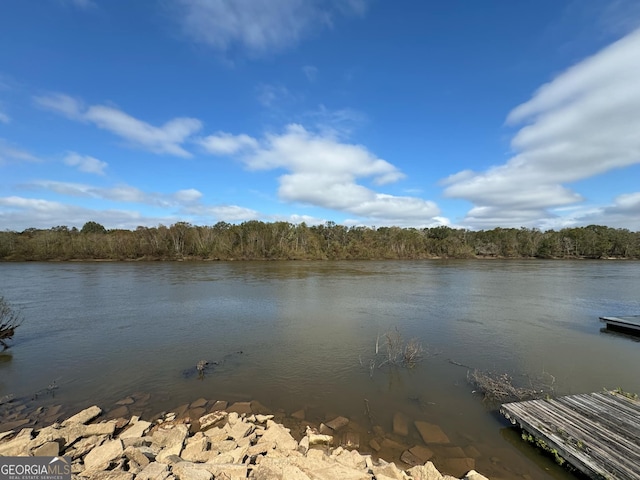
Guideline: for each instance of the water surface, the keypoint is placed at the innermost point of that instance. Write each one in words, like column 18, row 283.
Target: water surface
column 301, row 335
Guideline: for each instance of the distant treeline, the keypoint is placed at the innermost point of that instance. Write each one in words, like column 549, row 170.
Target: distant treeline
column 256, row 240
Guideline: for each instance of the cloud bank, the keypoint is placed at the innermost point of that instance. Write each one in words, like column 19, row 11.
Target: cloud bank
column 325, row 172
column 583, row 123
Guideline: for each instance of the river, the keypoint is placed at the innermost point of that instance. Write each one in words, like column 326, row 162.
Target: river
column 296, row 335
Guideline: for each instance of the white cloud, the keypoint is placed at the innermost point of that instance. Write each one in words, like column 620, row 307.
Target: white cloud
column 310, row 72
column 624, row 212
column 166, row 139
column 4, row 118
column 259, row 26
column 339, row 123
column 226, row 144
column 223, row 213
column 120, row 193
column 22, row 213
column 324, row 172
column 9, row 153
column 60, row 103
column 85, row 163
column 273, row 95
column 583, row 123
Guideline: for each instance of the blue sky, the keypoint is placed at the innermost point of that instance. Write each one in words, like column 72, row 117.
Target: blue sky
column 362, row 112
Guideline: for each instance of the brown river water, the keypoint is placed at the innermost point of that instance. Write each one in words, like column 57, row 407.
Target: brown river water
column 301, row 335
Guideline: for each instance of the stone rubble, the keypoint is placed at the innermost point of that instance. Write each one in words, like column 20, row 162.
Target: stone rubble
column 233, row 443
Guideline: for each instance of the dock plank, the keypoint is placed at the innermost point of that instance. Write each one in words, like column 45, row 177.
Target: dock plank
column 631, row 322
column 597, row 433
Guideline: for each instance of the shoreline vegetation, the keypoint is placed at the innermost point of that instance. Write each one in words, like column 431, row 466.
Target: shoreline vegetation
column 207, row 440
column 255, row 240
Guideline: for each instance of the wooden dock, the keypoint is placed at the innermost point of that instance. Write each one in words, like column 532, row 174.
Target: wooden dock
column 626, row 323
column 597, row 433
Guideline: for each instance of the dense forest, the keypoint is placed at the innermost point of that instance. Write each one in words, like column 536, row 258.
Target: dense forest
column 256, row 240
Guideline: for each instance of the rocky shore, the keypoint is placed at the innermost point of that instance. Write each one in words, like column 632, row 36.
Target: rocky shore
column 214, row 441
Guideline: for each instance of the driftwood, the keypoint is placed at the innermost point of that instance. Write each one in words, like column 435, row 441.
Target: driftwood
column 499, row 388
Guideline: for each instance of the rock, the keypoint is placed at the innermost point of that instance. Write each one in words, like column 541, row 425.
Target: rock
column 216, row 434
column 410, row 459
column 15, row 424
column 154, row 471
column 125, row 401
column 121, row 411
column 373, row 443
column 240, row 408
column 338, row 423
column 427, row 471
column 471, row 451
column 47, row 449
column 423, row 453
column 219, row 405
column 323, row 429
column 197, row 450
column 473, row 475
column 100, row 457
column 201, row 402
column 350, row 458
column 112, row 475
column 240, row 430
column 134, row 454
column 136, row 430
column 84, row 416
column 191, row 471
column 228, row 472
column 257, row 407
column 387, row 443
column 315, row 438
column 279, row 437
column 104, row 428
column 431, row 433
column 263, row 418
column 211, row 419
column 172, row 440
column 457, row 466
column 83, row 446
column 401, row 424
column 389, row 471
column 298, row 415
column 303, row 445
column 450, row 452
column 18, row 445
column 276, row 469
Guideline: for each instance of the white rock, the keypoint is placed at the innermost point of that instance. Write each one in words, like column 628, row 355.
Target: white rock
column 138, row 429
column 154, row 471
column 100, row 457
column 84, row 416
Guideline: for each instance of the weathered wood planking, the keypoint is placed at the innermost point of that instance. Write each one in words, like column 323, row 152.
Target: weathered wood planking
column 630, row 323
column 597, row 433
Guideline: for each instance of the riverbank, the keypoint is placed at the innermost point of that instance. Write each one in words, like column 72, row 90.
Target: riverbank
column 214, row 440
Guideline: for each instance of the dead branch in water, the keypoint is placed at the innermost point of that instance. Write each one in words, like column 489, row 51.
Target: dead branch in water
column 9, row 321
column 499, row 388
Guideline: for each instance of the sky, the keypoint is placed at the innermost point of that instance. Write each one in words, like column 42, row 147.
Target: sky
column 402, row 113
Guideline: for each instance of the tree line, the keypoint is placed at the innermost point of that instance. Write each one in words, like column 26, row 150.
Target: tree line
column 255, row 240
